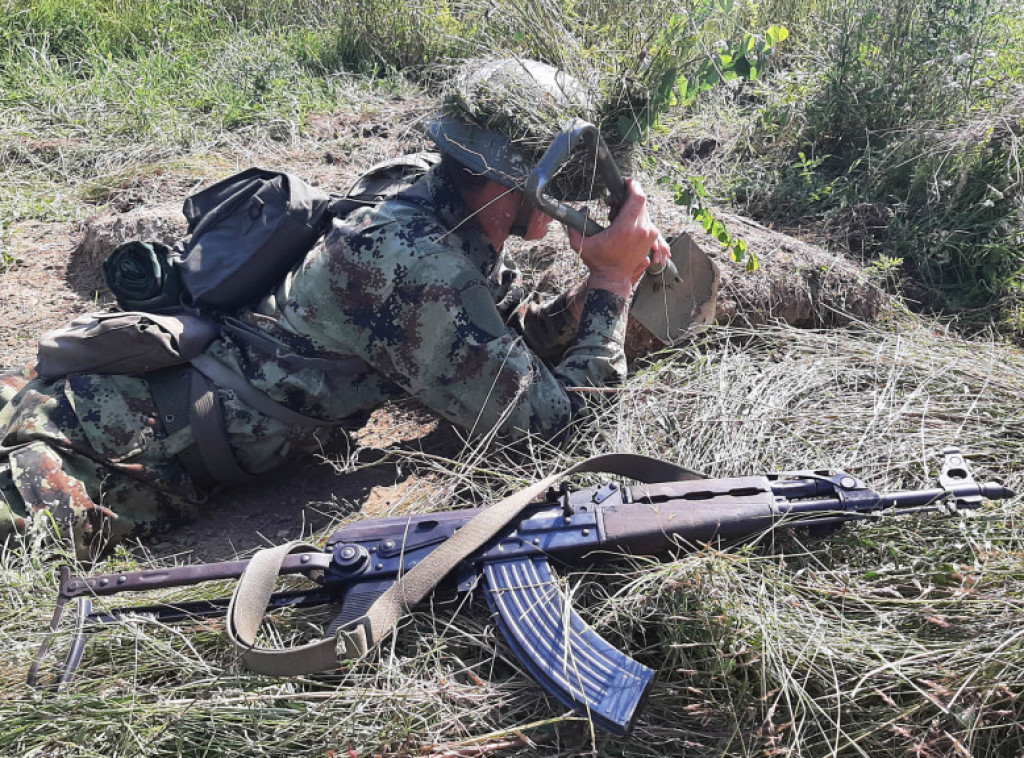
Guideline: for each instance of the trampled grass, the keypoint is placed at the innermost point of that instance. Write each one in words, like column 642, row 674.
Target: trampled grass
column 883, row 639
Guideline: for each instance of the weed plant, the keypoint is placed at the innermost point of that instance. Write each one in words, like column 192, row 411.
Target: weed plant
column 893, row 130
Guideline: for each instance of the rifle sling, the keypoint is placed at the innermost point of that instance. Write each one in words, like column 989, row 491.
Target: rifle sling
column 256, row 585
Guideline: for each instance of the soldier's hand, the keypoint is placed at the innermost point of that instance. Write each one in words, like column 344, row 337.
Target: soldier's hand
column 618, row 256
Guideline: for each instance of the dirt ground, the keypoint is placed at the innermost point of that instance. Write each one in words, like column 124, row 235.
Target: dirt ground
column 58, row 278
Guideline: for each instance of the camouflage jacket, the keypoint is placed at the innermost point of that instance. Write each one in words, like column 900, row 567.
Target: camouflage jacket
column 404, row 297
column 412, row 288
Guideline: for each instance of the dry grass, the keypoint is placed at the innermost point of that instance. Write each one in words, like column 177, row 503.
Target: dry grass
column 892, row 639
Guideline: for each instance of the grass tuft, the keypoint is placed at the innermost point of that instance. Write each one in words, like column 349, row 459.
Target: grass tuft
column 881, row 639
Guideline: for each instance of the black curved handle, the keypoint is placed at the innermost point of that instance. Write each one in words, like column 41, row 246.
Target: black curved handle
column 556, row 155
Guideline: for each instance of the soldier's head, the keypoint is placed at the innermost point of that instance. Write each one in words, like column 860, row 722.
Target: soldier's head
column 500, row 116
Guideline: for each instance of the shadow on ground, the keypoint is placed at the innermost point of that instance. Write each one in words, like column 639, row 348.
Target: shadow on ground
column 306, row 498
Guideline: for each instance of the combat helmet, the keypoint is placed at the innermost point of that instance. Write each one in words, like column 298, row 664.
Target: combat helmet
column 501, row 114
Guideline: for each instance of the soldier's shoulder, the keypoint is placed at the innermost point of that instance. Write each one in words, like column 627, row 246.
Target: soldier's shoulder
column 391, row 224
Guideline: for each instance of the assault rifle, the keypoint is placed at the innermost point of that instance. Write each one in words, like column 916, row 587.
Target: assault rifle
column 367, row 564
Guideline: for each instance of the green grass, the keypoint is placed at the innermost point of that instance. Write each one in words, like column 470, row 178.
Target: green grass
column 88, row 89
column 892, row 131
column 892, row 639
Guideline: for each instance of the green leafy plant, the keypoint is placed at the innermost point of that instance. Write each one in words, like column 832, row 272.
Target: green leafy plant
column 886, row 270
column 678, row 63
column 747, row 59
column 693, row 195
column 898, row 135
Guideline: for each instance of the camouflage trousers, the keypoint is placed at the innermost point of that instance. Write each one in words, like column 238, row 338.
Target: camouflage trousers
column 84, row 455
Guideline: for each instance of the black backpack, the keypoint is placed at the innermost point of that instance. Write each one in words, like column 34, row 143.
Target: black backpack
column 247, row 231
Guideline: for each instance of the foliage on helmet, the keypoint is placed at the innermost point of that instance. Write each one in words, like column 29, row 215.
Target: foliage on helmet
column 528, row 103
column 525, row 100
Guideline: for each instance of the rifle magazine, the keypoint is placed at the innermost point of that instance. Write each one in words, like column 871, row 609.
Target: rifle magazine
column 566, row 656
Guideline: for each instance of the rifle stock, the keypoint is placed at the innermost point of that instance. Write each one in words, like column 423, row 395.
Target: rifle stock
column 570, row 660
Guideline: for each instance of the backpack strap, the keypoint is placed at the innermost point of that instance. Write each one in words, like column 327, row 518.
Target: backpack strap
column 171, row 390
column 209, row 432
column 187, row 396
column 383, row 181
column 266, row 344
column 222, row 376
column 417, row 195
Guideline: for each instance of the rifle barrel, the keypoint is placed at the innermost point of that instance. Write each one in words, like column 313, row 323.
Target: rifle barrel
column 653, row 517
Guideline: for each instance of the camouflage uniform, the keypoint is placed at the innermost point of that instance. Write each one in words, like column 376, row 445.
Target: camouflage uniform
column 411, row 288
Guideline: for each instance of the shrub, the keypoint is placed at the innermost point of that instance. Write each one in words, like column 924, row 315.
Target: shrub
column 894, row 129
